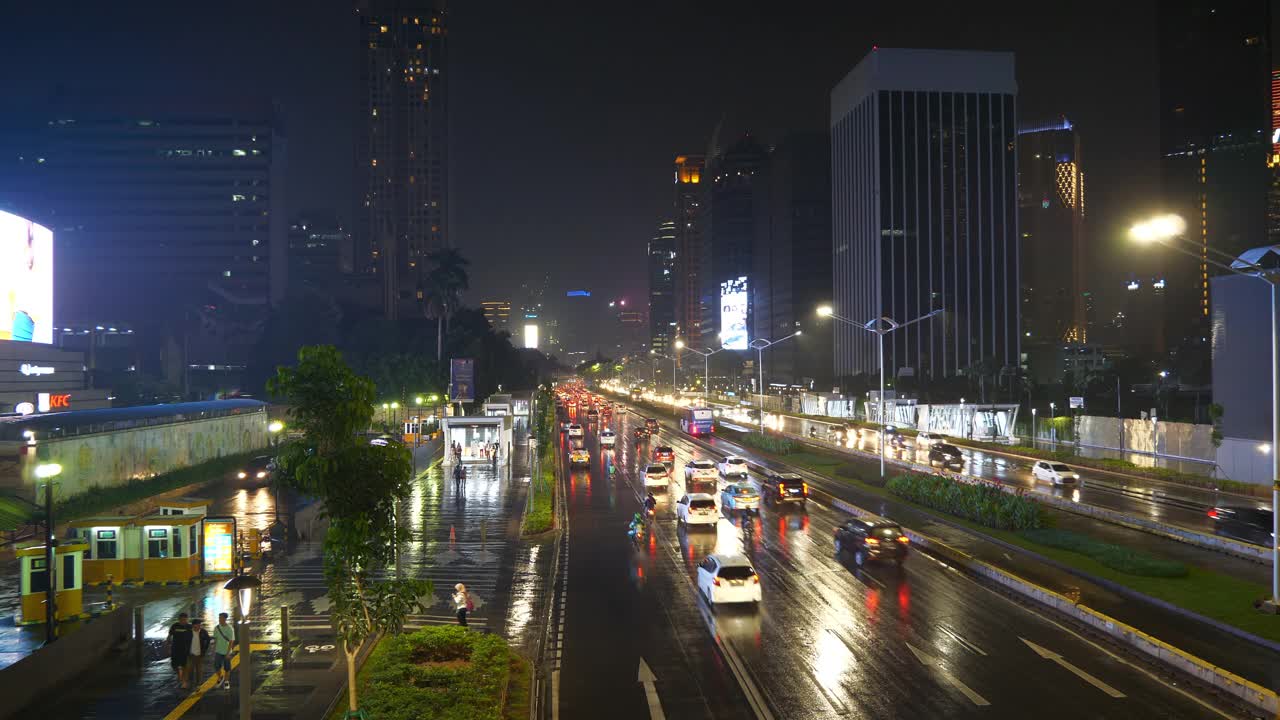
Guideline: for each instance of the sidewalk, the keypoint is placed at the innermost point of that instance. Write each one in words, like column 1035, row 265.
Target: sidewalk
column 457, row 536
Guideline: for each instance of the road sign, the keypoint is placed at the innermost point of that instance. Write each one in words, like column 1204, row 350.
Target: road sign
column 1077, row 402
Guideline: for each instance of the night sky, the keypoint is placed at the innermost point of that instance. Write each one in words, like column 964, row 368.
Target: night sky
column 566, row 116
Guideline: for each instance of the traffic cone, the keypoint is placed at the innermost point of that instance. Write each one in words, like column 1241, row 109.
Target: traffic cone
column 453, row 536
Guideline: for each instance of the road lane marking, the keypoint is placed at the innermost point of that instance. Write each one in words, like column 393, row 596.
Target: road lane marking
column 1048, row 654
column 209, row 684
column 645, row 677
column 956, row 636
column 932, row 662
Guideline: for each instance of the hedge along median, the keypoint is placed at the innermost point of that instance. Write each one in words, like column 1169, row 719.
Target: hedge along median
column 983, row 504
column 445, row 673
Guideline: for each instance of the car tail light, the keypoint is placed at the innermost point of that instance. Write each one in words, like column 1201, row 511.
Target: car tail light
column 873, row 541
column 755, row 579
column 805, row 486
column 904, row 539
column 1213, row 513
column 782, row 492
column 716, row 581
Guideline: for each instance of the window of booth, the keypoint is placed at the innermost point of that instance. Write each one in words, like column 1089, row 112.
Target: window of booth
column 39, row 575
column 158, row 543
column 68, row 571
column 105, row 546
column 177, row 542
column 194, row 539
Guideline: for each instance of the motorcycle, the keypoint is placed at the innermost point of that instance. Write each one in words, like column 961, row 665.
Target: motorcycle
column 637, row 533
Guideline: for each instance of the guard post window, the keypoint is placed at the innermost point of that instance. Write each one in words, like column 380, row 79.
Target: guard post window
column 105, row 545
column 158, row 543
column 39, row 575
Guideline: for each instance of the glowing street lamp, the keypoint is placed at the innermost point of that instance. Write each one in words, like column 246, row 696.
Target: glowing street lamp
column 760, row 345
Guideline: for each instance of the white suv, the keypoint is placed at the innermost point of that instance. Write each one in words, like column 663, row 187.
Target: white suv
column 695, row 470
column 734, row 466
column 728, row 579
column 926, row 439
column 697, row 509
column 1054, row 472
column 575, row 430
column 656, row 474
column 607, row 438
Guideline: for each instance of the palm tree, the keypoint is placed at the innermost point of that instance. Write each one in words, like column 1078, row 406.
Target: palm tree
column 446, row 279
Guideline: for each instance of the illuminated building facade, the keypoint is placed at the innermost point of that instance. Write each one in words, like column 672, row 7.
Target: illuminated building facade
column 498, row 313
column 1215, row 118
column 924, row 211
column 402, row 157
column 661, row 255
column 688, row 211
column 1051, row 207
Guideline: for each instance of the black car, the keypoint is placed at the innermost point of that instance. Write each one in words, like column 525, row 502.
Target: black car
column 651, row 425
column 782, row 488
column 257, row 469
column 871, row 538
column 945, row 455
column 641, row 434
column 1250, row 524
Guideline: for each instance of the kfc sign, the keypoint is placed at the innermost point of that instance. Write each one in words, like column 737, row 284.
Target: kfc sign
column 53, row 402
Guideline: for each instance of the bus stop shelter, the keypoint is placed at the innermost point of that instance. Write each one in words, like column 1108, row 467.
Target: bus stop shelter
column 473, row 434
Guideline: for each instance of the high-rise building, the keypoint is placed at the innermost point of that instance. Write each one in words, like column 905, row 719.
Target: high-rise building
column 319, row 251
column 924, row 211
column 662, row 267
column 402, row 157
column 498, row 313
column 792, row 260
column 150, row 204
column 1215, row 105
column 1051, row 214
column 736, row 223
column 688, row 212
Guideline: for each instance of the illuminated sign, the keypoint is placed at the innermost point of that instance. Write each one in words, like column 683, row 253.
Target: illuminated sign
column 53, row 401
column 462, row 380
column 29, row 369
column 219, row 545
column 1159, row 284
column 26, row 280
column 24, row 408
column 531, row 336
column 1133, row 285
column 577, row 293
column 733, row 314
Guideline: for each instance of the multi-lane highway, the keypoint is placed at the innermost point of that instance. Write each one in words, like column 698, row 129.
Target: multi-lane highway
column 827, row 640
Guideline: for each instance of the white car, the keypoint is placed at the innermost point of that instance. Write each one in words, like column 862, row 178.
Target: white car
column 607, row 438
column 728, row 579
column 1054, row 472
column 697, row 509
column 656, row 474
column 927, row 439
column 696, row 470
column 734, row 466
column 575, row 430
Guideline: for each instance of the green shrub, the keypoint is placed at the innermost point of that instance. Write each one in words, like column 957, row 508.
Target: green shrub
column 984, row 504
column 442, row 672
column 776, row 444
column 1116, row 557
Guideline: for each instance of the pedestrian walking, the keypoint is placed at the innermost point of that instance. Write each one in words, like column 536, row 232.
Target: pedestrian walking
column 224, row 637
column 199, row 648
column 463, row 602
column 179, row 647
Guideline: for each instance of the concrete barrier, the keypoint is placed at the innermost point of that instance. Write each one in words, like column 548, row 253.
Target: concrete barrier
column 37, row 676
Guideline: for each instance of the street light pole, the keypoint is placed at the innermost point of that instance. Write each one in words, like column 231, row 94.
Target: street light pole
column 760, row 345
column 706, row 368
column 1165, row 230
column 881, row 326
column 47, row 472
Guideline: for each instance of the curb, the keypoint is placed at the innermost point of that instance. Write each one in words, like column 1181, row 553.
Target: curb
column 92, row 614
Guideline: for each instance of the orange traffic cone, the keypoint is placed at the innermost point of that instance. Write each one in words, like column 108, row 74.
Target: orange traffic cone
column 453, row 536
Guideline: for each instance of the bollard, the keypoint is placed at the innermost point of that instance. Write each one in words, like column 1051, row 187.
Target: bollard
column 284, row 635
column 137, row 633
column 111, row 603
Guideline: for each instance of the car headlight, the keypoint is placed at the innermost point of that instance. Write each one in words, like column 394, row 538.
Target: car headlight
column 242, row 475
column 262, row 474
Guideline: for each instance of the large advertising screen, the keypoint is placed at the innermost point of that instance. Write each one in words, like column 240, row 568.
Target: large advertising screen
column 733, row 314
column 26, row 280
column 462, row 380
column 219, row 545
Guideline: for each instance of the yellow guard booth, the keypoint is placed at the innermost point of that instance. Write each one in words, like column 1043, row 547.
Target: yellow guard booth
column 170, row 547
column 113, row 548
column 34, row 581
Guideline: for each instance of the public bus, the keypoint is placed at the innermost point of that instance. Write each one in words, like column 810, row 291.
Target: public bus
column 697, row 421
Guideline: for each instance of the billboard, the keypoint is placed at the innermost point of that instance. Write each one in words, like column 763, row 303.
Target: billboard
column 219, row 545
column 462, row 380
column 733, row 314
column 26, row 280
column 531, row 336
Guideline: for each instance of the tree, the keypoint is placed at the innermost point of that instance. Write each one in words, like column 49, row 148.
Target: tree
column 445, row 282
column 359, row 485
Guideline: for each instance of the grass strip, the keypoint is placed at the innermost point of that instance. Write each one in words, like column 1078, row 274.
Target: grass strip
column 1116, row 557
column 101, row 498
column 437, row 673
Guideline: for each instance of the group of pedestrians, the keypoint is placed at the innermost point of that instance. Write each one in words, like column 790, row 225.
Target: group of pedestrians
column 189, row 643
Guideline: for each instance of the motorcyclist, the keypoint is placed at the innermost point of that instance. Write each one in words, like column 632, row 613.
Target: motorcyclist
column 650, row 502
column 636, row 530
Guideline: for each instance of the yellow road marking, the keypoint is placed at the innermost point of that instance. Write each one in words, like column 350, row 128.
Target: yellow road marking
column 208, row 685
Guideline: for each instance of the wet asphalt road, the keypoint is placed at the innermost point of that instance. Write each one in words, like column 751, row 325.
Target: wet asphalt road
column 827, row 640
column 1140, row 497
